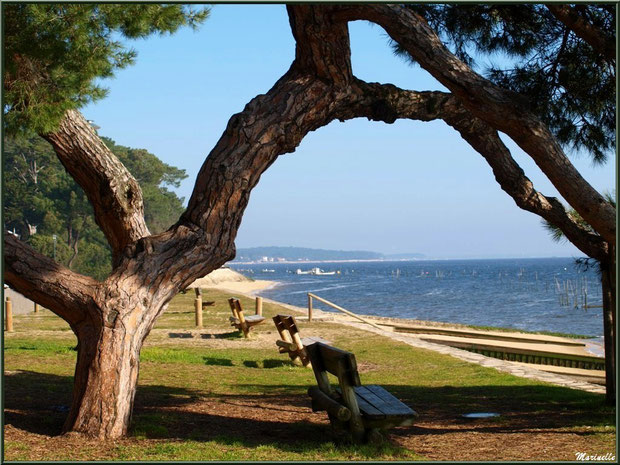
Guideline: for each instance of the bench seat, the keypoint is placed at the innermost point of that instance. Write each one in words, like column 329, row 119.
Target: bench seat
column 250, row 320
column 375, row 403
column 312, row 339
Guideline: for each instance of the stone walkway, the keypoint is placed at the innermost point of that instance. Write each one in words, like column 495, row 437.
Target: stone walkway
column 501, row 365
column 414, row 341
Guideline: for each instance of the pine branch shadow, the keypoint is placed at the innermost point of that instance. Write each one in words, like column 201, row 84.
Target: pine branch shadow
column 279, row 415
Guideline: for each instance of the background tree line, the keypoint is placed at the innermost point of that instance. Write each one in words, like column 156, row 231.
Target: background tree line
column 42, row 200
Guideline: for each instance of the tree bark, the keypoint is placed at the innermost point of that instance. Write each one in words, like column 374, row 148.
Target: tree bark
column 608, row 281
column 73, row 243
column 105, row 382
column 115, row 195
column 41, row 279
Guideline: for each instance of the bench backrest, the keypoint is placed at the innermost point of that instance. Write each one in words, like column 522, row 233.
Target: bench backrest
column 235, row 307
column 286, row 323
column 338, row 362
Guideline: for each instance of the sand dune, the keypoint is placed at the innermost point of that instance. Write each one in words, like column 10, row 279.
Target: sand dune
column 227, row 279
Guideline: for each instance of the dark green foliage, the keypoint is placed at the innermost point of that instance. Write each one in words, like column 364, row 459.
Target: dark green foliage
column 41, row 199
column 54, row 51
column 558, row 235
column 568, row 84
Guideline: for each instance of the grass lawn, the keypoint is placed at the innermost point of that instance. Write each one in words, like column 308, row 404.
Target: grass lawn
column 209, row 394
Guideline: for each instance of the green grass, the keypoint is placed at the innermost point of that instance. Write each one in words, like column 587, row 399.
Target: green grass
column 181, row 379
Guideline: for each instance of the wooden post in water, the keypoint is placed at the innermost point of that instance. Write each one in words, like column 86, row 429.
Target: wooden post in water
column 309, row 307
column 259, row 306
column 9, row 315
column 198, row 307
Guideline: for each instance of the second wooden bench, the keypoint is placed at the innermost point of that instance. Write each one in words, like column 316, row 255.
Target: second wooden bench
column 241, row 322
column 291, row 342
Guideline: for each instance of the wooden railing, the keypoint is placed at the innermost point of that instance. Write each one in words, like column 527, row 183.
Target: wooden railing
column 337, row 307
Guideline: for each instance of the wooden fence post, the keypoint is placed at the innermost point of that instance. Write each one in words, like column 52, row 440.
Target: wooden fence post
column 259, row 306
column 198, row 307
column 309, row 307
column 9, row 315
column 36, row 307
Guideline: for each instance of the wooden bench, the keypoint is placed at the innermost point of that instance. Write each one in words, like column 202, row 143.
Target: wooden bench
column 291, row 343
column 360, row 413
column 241, row 322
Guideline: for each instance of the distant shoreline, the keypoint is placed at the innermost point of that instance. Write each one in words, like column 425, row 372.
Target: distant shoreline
column 254, row 288
column 374, row 260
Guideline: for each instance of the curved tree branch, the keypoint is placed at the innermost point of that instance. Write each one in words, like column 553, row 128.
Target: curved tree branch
column 500, row 108
column 510, row 176
column 66, row 293
column 114, row 193
column 302, row 100
column 387, row 103
column 596, row 38
column 310, row 95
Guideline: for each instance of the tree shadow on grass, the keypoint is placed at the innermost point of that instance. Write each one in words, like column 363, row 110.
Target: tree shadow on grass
column 180, row 335
column 520, row 407
column 223, row 362
column 35, row 401
column 268, row 363
column 279, row 415
column 231, row 335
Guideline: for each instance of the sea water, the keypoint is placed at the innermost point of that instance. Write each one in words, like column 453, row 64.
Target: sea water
column 542, row 294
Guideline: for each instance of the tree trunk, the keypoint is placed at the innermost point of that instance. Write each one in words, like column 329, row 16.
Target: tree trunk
column 608, row 281
column 73, row 243
column 105, row 380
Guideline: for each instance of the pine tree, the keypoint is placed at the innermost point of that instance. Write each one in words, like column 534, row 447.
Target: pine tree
column 54, row 51
column 569, row 84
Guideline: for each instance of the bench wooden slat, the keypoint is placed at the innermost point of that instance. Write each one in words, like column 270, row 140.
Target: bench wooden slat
column 368, row 403
column 382, row 401
column 312, row 339
column 248, row 320
column 387, row 396
column 339, row 363
column 254, row 319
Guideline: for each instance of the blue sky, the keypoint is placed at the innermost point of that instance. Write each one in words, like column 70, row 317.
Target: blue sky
column 405, row 187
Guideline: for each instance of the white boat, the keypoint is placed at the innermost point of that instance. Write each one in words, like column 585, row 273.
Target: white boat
column 268, row 271
column 317, row 272
column 320, row 272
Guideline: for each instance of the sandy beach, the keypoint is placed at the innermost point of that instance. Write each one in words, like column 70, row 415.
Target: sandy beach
column 230, row 280
column 243, row 287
